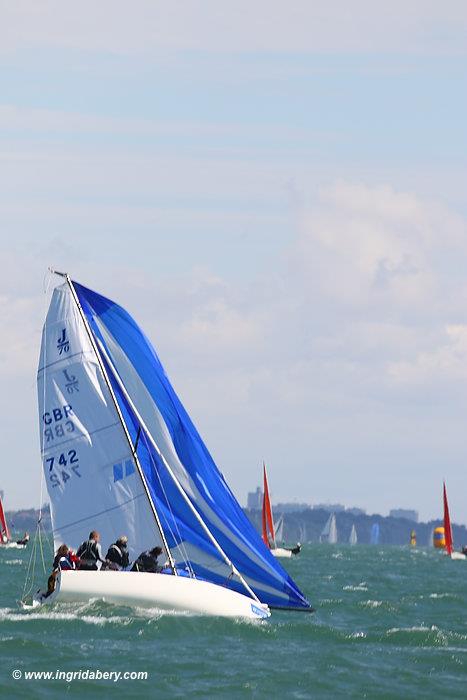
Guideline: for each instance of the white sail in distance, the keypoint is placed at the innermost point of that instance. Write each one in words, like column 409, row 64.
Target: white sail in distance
column 329, row 533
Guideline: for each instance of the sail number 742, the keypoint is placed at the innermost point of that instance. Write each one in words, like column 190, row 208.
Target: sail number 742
column 61, row 467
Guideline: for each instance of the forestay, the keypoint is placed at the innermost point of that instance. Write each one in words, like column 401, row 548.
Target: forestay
column 174, row 458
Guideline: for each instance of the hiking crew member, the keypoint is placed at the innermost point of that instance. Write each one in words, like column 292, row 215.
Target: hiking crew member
column 65, row 559
column 147, row 561
column 118, row 553
column 90, row 553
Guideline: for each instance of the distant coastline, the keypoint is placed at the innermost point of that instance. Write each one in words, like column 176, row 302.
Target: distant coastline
column 307, row 525
column 299, row 526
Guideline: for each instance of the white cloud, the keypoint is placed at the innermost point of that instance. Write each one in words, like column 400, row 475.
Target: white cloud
column 154, row 27
column 319, row 361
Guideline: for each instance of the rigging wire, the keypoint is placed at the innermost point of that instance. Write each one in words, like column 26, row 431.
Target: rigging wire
column 37, row 541
column 181, row 545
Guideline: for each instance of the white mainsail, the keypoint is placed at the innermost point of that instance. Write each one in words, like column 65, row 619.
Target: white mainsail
column 279, row 529
column 329, row 533
column 88, row 463
column 353, row 539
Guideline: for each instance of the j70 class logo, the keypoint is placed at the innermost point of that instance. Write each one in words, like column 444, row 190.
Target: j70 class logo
column 63, row 344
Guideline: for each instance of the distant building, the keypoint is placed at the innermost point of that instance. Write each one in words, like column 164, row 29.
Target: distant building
column 411, row 515
column 356, row 511
column 254, row 499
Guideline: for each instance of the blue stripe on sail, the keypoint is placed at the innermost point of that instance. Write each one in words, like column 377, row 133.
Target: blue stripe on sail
column 241, row 542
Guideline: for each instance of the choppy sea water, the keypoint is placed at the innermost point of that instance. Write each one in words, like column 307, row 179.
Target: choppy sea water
column 389, row 622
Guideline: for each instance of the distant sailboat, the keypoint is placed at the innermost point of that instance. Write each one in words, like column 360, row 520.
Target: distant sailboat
column 353, row 539
column 329, row 533
column 269, row 531
column 413, row 538
column 374, row 537
column 448, row 529
column 5, row 537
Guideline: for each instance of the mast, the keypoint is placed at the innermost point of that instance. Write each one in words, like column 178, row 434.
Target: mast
column 120, row 416
column 176, row 481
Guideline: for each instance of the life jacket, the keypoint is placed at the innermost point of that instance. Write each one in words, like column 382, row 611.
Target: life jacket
column 88, row 553
column 66, row 563
column 147, row 562
column 118, row 555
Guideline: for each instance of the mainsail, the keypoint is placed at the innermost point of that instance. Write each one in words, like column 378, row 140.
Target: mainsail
column 121, row 454
column 447, row 522
column 329, row 533
column 353, row 539
column 374, row 537
column 5, row 533
column 279, row 529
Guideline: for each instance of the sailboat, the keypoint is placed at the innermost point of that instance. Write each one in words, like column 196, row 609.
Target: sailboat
column 448, row 529
column 353, row 539
column 269, row 530
column 374, row 536
column 329, row 533
column 122, row 456
column 5, row 537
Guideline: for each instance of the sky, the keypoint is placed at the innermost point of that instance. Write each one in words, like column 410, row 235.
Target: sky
column 276, row 192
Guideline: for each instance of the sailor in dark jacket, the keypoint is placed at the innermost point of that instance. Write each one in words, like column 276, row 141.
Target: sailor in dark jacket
column 90, row 553
column 147, row 561
column 118, row 553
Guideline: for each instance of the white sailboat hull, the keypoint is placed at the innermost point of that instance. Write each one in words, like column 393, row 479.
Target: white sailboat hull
column 12, row 545
column 281, row 553
column 161, row 591
column 458, row 555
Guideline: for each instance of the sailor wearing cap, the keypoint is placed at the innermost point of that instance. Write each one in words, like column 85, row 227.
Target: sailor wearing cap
column 118, row 553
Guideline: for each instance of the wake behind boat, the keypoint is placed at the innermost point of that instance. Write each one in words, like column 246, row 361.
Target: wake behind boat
column 273, row 533
column 121, row 455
